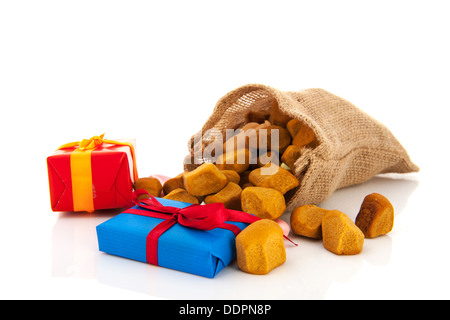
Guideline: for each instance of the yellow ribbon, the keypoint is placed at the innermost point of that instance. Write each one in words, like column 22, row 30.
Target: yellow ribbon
column 81, row 170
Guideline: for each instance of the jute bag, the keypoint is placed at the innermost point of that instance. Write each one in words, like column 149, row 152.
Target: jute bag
column 353, row 147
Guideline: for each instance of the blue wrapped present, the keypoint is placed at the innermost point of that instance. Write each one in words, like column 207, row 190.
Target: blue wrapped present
column 198, row 239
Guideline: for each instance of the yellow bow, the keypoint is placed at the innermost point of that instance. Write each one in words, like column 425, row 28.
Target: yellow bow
column 86, row 144
column 81, row 169
column 92, row 143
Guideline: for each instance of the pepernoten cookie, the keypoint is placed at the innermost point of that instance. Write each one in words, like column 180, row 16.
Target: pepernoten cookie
column 260, row 247
column 173, row 183
column 206, row 179
column 340, row 235
column 232, row 176
column 290, row 155
column 307, row 221
column 273, row 176
column 151, row 184
column 265, row 138
column 230, row 196
column 376, row 216
column 237, row 160
column 182, row 195
column 266, row 203
column 304, row 136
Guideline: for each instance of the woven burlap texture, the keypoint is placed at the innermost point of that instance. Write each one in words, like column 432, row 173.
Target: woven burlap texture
column 353, row 147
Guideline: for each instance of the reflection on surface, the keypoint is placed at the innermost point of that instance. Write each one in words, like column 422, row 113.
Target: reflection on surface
column 74, row 243
column 308, row 273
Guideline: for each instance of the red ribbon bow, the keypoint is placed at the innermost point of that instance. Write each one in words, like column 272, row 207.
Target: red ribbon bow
column 202, row 217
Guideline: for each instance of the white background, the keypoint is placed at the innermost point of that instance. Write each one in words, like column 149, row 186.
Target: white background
column 153, row 70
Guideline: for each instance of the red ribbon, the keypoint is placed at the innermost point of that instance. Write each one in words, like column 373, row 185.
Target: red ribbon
column 202, row 217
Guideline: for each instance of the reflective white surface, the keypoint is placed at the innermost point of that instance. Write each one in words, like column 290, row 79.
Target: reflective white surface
column 136, row 71
column 55, row 255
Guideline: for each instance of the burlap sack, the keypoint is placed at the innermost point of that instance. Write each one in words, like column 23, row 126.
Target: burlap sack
column 353, row 147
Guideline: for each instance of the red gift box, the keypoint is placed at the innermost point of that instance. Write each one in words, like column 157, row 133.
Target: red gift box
column 92, row 175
